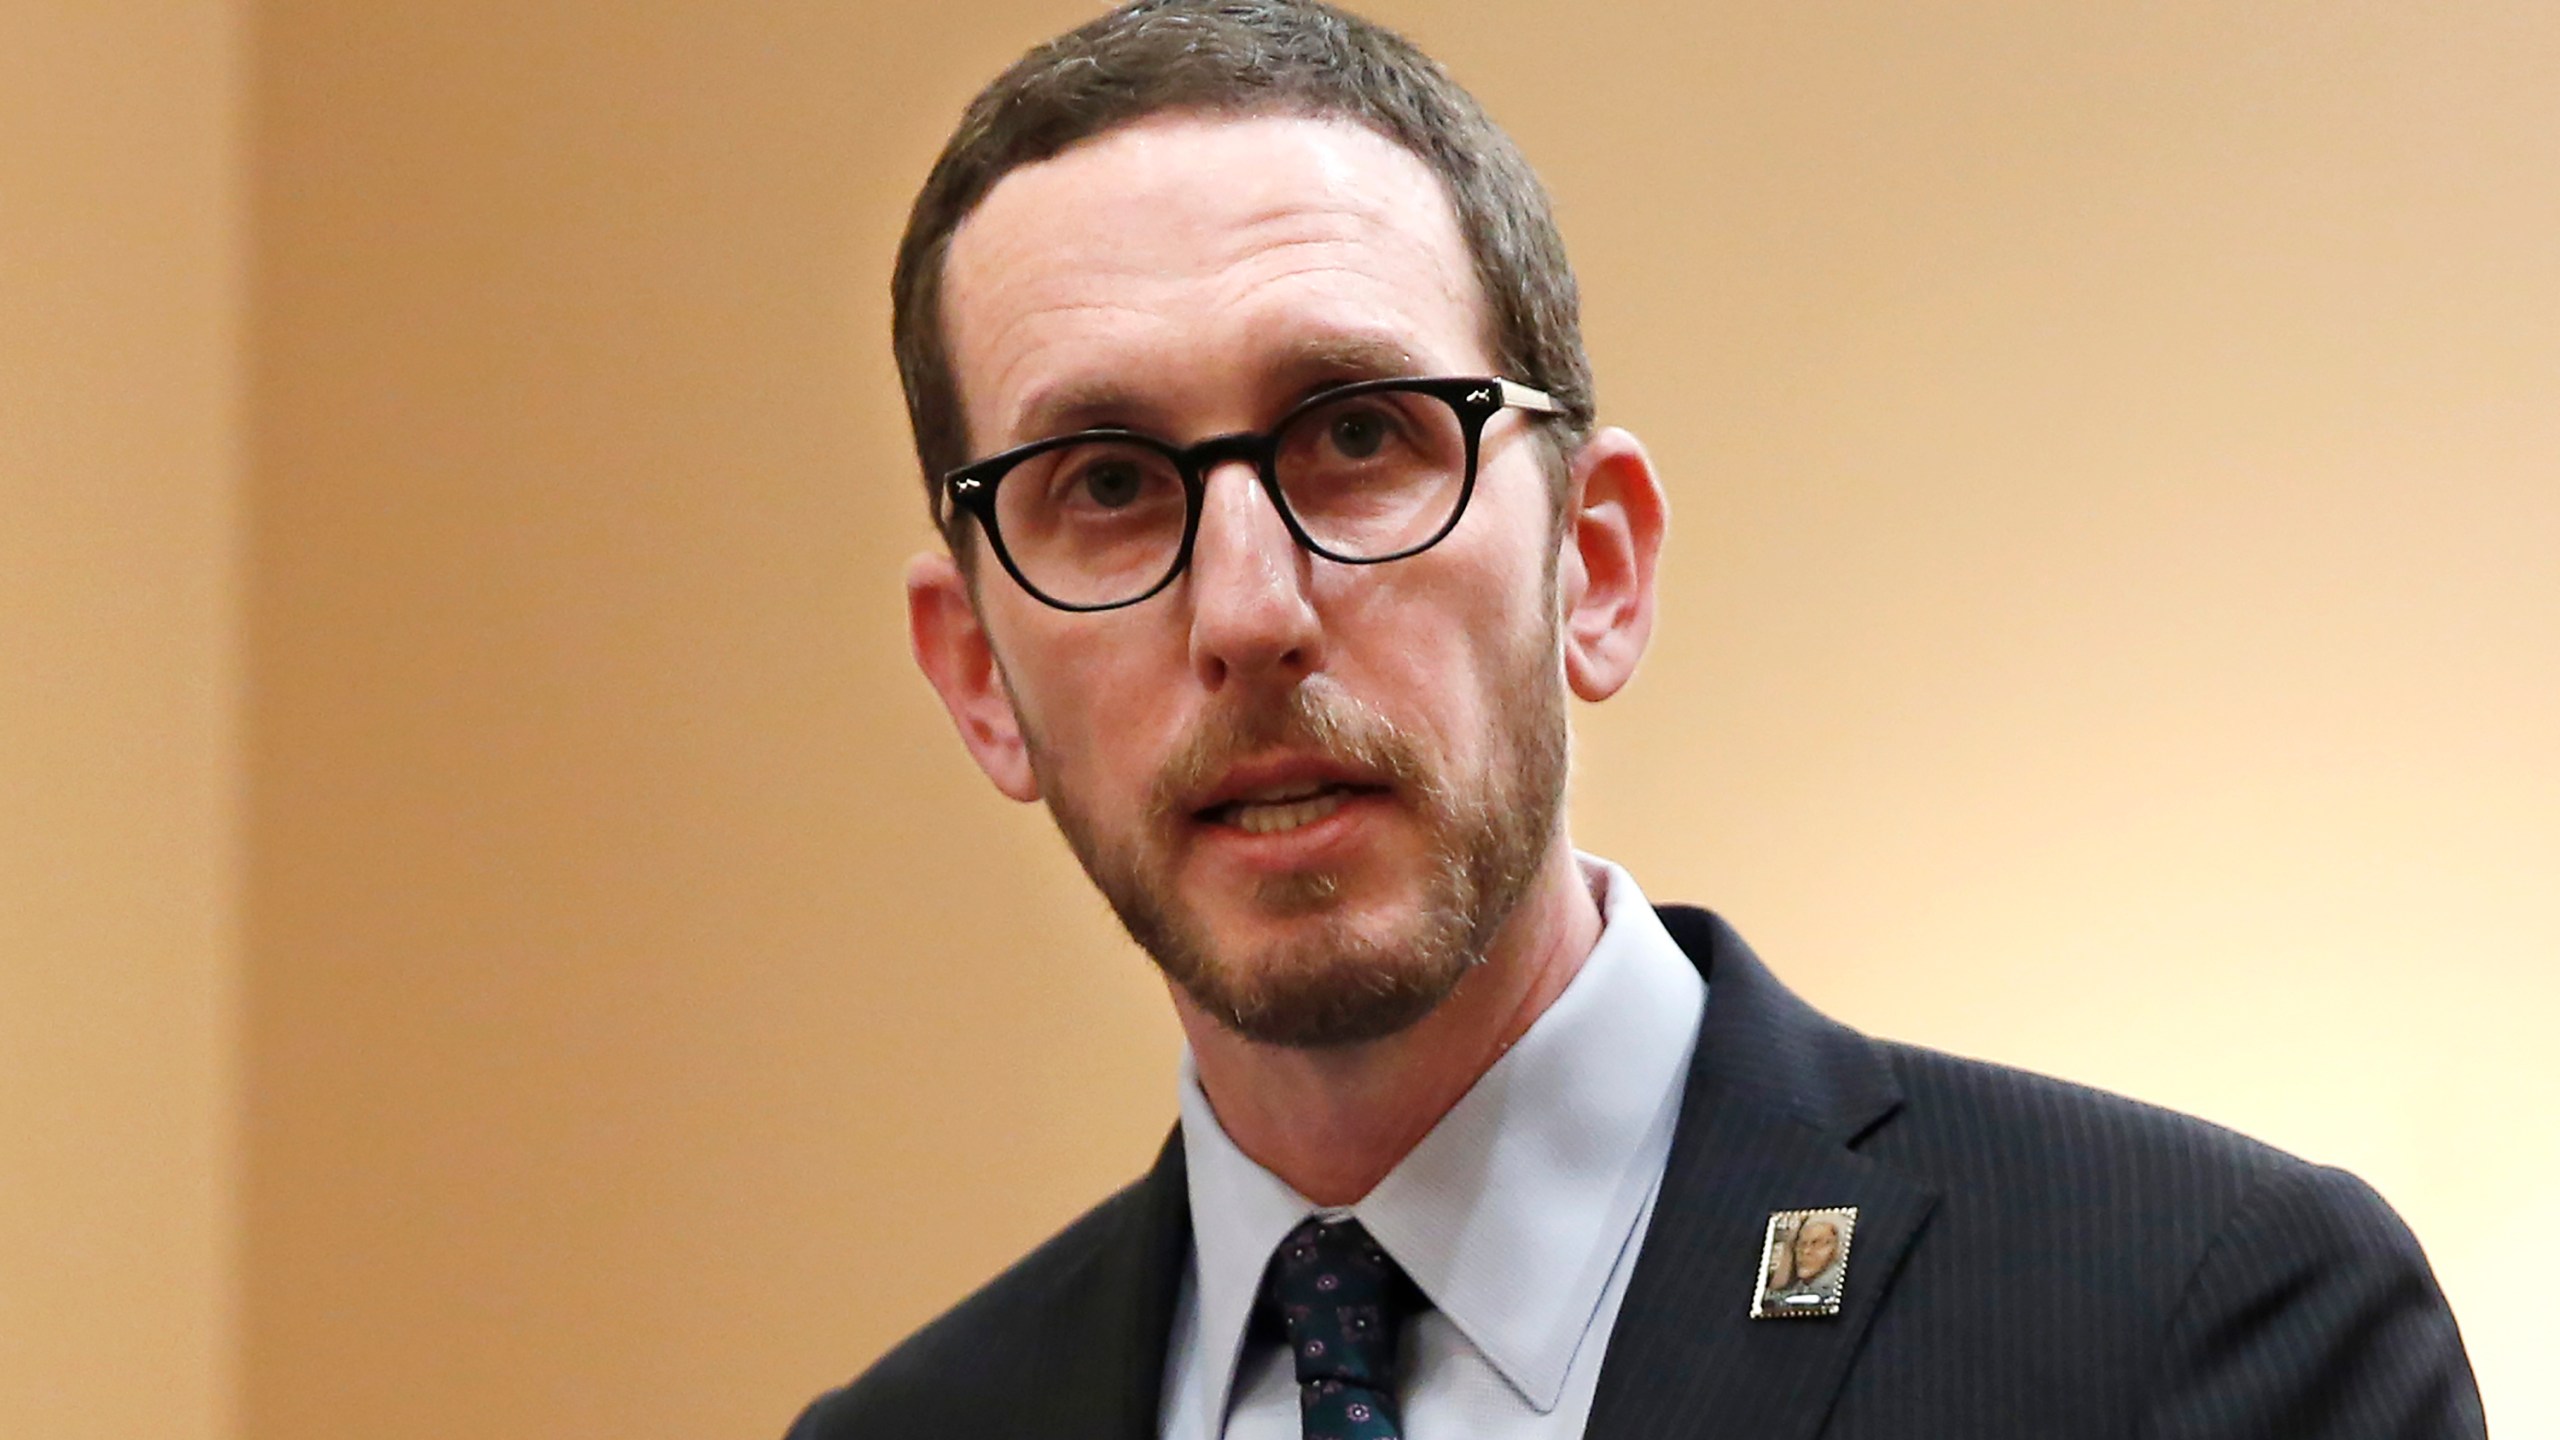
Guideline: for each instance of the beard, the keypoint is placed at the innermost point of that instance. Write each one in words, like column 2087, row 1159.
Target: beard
column 1342, row 979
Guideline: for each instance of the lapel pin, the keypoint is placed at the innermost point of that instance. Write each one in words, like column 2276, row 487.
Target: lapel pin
column 1804, row 1258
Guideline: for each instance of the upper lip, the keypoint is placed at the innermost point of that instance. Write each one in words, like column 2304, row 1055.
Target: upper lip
column 1281, row 773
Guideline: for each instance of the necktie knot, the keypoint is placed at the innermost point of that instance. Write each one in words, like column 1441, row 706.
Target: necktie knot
column 1341, row 1301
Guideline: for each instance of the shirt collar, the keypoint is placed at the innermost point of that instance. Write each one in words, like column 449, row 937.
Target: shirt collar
column 1511, row 1214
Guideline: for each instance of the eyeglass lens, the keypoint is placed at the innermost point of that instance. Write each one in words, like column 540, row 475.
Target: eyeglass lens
column 1367, row 476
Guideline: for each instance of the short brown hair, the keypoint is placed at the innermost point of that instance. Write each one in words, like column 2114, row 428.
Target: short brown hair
column 1245, row 57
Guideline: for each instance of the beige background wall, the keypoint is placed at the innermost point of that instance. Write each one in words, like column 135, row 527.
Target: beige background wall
column 2110, row 629
column 120, row 236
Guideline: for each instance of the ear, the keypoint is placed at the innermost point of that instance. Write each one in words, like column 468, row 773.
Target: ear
column 1612, row 542
column 952, row 649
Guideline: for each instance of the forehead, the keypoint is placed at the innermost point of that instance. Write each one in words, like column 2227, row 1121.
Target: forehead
column 1180, row 262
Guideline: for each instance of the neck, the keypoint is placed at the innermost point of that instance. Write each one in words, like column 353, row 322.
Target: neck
column 1333, row 1122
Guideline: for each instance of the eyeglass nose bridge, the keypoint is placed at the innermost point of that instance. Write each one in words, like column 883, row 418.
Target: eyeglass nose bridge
column 1258, row 451
column 1217, row 450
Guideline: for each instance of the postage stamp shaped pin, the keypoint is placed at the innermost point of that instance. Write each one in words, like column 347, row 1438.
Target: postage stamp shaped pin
column 1804, row 1262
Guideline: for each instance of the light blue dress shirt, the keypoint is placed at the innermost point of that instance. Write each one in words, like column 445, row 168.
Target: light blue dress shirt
column 1519, row 1215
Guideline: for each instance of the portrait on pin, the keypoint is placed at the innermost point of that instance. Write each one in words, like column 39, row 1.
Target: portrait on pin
column 1803, row 1261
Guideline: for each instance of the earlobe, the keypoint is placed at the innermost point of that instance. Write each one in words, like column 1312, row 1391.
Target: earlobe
column 953, row 650
column 1612, row 544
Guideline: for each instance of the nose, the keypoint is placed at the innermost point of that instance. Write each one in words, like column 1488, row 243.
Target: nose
column 1251, row 618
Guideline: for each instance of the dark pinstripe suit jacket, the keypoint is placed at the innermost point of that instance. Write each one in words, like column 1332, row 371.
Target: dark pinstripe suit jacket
column 2031, row 1259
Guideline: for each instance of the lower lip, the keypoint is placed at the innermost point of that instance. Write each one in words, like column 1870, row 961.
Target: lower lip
column 1307, row 847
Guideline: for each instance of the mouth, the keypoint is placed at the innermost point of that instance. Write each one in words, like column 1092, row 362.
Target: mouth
column 1292, row 805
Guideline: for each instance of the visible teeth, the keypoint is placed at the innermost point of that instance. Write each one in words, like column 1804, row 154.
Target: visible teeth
column 1282, row 794
column 1261, row 818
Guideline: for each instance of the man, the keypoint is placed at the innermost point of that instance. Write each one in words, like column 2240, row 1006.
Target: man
column 1242, row 357
column 1807, row 1268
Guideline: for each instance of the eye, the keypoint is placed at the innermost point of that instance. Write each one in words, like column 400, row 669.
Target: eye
column 1113, row 483
column 1358, row 433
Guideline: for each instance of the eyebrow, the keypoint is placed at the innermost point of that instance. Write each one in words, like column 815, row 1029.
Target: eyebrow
column 1304, row 368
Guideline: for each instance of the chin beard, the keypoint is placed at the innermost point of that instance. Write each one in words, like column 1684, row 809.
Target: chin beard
column 1344, row 979
column 1333, row 984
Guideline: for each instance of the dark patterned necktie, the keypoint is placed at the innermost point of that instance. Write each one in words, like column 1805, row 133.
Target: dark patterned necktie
column 1341, row 1302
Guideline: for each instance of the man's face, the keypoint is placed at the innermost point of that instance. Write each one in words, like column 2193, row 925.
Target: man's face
column 1312, row 791
column 1816, row 1244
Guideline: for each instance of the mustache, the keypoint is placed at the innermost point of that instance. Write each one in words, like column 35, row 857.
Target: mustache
column 1313, row 717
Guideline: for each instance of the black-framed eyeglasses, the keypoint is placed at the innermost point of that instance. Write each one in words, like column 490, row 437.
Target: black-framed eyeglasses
column 1363, row 473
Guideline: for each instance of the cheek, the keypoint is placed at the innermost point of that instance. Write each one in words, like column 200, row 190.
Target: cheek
column 1455, row 677
column 1097, row 713
column 1454, row 629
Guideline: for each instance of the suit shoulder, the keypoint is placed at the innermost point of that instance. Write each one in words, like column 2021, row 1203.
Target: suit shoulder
column 1980, row 1120
column 2049, row 1161
column 2315, row 1311
column 1988, row 1115
column 1009, row 1341
column 2149, row 1262
column 2030, row 1152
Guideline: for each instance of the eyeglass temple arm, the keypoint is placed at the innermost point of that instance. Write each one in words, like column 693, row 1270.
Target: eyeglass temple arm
column 1526, row 397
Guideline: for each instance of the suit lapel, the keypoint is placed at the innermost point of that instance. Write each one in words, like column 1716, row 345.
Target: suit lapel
column 1123, row 1313
column 1776, row 1098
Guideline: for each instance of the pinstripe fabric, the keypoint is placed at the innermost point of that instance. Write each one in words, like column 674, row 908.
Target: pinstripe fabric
column 2032, row 1259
